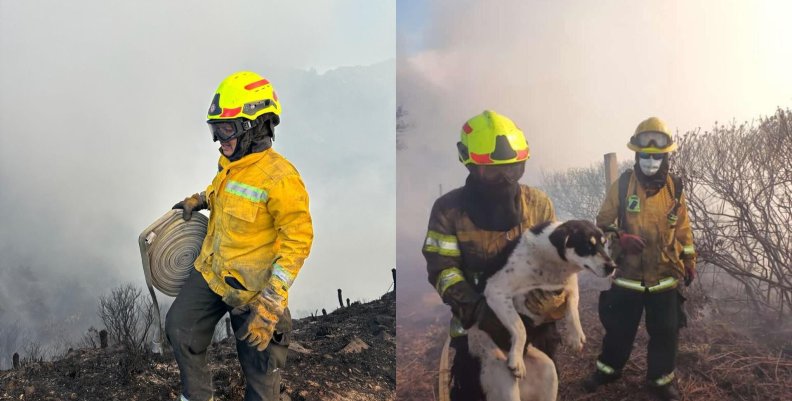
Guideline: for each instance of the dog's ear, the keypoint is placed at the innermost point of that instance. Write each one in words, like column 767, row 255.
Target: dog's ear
column 537, row 229
column 559, row 238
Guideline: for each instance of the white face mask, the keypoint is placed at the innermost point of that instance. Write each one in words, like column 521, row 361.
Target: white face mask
column 649, row 166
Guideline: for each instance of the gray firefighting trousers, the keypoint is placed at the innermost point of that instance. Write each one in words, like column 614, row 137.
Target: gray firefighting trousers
column 190, row 325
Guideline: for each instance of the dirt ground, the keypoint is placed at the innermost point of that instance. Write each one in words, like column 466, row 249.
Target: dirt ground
column 347, row 355
column 721, row 356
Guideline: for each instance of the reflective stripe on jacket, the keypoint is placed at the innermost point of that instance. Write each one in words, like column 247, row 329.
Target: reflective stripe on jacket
column 667, row 236
column 259, row 226
column 456, row 250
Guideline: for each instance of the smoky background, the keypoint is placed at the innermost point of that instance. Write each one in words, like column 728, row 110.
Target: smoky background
column 102, row 130
column 577, row 78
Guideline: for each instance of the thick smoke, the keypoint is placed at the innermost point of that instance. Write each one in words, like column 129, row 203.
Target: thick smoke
column 102, row 115
column 577, row 78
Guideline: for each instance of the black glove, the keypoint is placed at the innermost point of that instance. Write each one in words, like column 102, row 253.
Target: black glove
column 471, row 308
column 490, row 324
column 690, row 270
column 191, row 204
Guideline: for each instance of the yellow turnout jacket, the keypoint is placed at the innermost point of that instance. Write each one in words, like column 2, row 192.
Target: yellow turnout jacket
column 667, row 235
column 259, row 226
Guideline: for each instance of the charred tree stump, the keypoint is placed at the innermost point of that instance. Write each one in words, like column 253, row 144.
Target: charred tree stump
column 103, row 338
column 16, row 360
column 393, row 273
column 340, row 298
column 228, row 327
column 324, row 312
column 347, row 302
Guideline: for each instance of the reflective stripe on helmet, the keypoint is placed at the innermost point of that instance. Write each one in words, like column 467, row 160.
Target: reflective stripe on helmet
column 481, row 159
column 467, row 128
column 246, row 191
column 256, row 84
column 447, row 278
column 227, row 113
column 445, row 245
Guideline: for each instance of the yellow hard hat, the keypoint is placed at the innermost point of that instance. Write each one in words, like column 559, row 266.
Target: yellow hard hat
column 652, row 136
column 489, row 139
column 244, row 94
column 239, row 100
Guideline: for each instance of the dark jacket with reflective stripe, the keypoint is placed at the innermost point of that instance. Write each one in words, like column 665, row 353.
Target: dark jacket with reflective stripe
column 455, row 242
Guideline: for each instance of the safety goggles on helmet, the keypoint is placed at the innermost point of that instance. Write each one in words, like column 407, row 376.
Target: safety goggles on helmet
column 652, row 139
column 226, row 130
column 655, row 156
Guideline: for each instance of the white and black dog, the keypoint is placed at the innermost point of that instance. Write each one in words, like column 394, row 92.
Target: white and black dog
column 547, row 257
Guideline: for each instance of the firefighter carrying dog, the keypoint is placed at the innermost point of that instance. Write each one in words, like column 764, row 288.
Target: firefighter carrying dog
column 470, row 229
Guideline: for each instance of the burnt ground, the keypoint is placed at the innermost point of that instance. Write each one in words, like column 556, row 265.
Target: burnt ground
column 735, row 356
column 347, row 355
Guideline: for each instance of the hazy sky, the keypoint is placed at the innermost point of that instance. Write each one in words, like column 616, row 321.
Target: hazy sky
column 577, row 77
column 102, row 114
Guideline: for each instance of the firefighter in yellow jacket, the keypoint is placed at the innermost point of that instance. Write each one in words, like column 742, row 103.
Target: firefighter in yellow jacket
column 471, row 231
column 258, row 237
column 654, row 251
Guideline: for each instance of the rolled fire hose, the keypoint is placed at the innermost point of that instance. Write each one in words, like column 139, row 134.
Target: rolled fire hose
column 169, row 248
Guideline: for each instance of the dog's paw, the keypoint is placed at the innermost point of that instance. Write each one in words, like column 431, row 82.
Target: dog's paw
column 575, row 340
column 517, row 367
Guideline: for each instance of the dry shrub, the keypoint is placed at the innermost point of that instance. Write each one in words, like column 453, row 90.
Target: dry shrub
column 739, row 189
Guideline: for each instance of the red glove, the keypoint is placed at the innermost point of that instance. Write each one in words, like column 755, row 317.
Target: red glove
column 632, row 244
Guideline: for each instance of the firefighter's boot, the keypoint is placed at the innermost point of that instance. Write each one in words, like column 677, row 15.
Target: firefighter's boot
column 598, row 378
column 668, row 392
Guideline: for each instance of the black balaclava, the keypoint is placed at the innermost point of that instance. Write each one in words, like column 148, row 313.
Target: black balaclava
column 655, row 182
column 493, row 201
column 255, row 140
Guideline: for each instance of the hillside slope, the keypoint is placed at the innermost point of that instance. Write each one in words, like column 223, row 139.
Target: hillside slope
column 350, row 354
column 720, row 357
